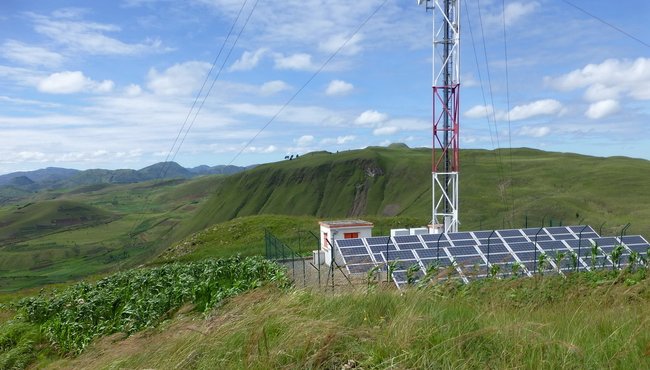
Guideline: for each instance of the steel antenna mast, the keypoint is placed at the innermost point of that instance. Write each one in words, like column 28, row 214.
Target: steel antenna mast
column 446, row 98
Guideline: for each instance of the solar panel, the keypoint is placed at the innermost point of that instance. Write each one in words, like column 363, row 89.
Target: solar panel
column 459, row 236
column 410, row 246
column 462, row 251
column 353, row 251
column 406, row 239
column 468, row 251
column 378, row 240
column 494, row 248
column 378, row 248
column 349, row 242
column 460, row 243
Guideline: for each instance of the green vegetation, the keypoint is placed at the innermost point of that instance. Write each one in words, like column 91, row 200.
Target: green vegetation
column 584, row 321
column 66, row 322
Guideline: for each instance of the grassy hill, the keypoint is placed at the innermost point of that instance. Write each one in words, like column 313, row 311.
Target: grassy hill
column 498, row 188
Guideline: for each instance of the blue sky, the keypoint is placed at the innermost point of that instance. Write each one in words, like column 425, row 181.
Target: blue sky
column 109, row 84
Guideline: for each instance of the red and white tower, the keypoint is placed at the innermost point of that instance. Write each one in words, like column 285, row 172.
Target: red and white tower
column 446, row 109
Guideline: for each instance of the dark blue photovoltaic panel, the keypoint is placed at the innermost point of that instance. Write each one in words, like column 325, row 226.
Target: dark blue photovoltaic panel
column 552, row 245
column 577, row 229
column 531, row 231
column 528, row 256
column 634, row 239
column 483, row 234
column 406, row 239
column 442, row 262
column 353, row 260
column 606, row 241
column 353, row 251
column 433, row 237
column 639, row 248
column 462, row 251
column 515, row 239
column 379, row 258
column 430, row 253
column 462, row 243
column 601, row 261
column 607, row 248
column 398, row 255
column 494, row 248
column 349, row 242
column 575, row 243
column 541, row 238
column 557, row 230
column 410, row 246
column 530, row 265
column 510, row 233
column 403, row 264
column 435, row 245
column 399, row 277
column 469, row 260
column 382, row 248
column 564, row 236
column 516, row 247
column 360, row 269
column 378, row 240
column 500, row 257
column 459, row 236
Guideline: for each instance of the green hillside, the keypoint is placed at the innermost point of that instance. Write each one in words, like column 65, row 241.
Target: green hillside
column 498, row 188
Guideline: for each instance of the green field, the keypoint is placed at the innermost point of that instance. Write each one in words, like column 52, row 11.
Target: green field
column 64, row 235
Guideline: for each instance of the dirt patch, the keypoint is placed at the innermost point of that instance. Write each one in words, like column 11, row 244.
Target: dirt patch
column 391, row 210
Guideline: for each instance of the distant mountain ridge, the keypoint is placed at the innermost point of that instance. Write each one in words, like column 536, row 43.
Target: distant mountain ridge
column 58, row 178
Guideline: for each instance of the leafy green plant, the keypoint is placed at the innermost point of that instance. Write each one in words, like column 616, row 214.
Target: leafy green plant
column 130, row 301
column 542, row 262
column 633, row 260
column 516, row 268
column 594, row 254
column 411, row 273
column 372, row 275
column 615, row 255
column 494, row 270
column 573, row 257
column 558, row 258
column 392, row 266
column 431, row 271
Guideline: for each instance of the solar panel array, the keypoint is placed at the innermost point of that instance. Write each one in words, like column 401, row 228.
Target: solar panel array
column 477, row 254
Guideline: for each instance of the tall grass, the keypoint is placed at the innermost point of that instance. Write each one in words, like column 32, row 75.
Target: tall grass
column 586, row 321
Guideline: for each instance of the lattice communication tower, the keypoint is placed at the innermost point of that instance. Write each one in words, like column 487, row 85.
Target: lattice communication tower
column 446, row 98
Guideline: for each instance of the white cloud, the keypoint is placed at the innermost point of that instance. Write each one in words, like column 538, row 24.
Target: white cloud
column 479, row 111
column 333, row 43
column 339, row 140
column 386, row 130
column 88, row 37
column 69, row 82
column 261, row 149
column 514, row 12
column 248, row 60
column 536, row 108
column 371, row 117
column 133, row 90
column 338, row 87
column 299, row 61
column 31, row 55
column 608, row 80
column 179, row 79
column 534, row 131
column 305, row 140
column 273, row 87
column 602, row 109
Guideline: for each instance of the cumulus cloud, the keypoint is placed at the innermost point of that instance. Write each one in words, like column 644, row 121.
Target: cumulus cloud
column 261, row 149
column 70, row 82
column 339, row 140
column 31, row 55
column 536, row 108
column 370, row 117
column 133, row 90
column 608, row 80
column 534, row 131
column 479, row 111
column 248, row 60
column 602, row 109
column 338, row 87
column 386, row 130
column 179, row 79
column 305, row 140
column 274, row 87
column 299, row 61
